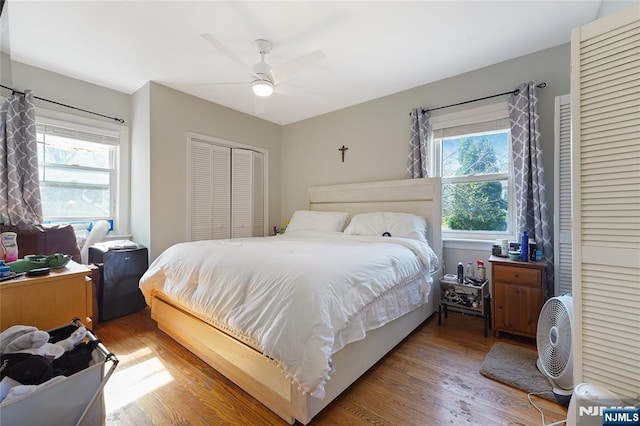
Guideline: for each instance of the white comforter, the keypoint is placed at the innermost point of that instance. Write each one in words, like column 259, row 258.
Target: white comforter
column 299, row 298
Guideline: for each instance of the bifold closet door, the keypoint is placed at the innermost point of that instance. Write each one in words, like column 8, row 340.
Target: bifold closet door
column 605, row 104
column 562, row 194
column 247, row 193
column 210, row 191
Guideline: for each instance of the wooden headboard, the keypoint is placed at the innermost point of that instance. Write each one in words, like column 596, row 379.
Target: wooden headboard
column 419, row 196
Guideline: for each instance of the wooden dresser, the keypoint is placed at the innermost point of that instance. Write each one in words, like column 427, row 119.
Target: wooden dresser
column 517, row 292
column 49, row 301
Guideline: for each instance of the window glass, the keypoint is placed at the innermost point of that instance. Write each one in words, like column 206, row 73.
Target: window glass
column 477, row 206
column 77, row 173
column 474, row 162
column 476, row 154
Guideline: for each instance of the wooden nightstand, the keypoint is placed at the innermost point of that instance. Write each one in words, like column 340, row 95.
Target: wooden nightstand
column 517, row 294
column 49, row 301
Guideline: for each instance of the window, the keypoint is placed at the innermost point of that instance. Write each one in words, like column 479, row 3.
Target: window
column 471, row 152
column 77, row 168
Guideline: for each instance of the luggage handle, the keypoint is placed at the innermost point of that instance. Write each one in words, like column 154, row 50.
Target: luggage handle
column 108, row 357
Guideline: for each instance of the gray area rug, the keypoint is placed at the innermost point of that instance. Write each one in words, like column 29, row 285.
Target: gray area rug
column 516, row 366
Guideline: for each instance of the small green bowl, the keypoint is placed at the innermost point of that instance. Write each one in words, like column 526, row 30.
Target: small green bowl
column 56, row 260
column 515, row 255
column 37, row 259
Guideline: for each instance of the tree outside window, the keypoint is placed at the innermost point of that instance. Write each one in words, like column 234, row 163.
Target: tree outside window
column 475, row 182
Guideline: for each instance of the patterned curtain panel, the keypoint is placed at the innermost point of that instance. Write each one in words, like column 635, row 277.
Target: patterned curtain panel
column 19, row 184
column 530, row 191
column 418, row 144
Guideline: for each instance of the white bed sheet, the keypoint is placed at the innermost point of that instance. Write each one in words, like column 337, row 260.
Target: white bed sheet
column 298, row 298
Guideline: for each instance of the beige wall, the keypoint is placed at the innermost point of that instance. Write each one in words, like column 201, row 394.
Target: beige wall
column 70, row 91
column 377, row 133
column 172, row 115
column 158, row 119
column 301, row 154
column 140, row 166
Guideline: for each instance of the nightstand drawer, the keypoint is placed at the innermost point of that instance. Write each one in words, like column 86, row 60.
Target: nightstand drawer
column 516, row 275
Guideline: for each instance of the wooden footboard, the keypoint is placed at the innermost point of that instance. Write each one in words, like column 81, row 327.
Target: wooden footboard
column 243, row 365
column 262, row 378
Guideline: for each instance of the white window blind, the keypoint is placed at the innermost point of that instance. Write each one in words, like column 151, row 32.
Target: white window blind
column 562, row 195
column 606, row 177
column 466, row 129
column 95, row 135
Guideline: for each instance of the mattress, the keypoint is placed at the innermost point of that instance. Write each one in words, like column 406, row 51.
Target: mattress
column 298, row 299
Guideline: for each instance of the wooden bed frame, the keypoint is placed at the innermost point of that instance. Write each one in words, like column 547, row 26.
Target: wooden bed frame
column 263, row 379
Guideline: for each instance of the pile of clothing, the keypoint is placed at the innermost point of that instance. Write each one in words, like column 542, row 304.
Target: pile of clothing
column 30, row 358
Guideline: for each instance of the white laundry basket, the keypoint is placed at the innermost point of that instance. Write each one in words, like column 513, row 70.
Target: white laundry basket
column 74, row 400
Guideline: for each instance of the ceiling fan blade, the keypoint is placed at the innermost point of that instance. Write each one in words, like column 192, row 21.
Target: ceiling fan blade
column 259, row 104
column 289, row 89
column 282, row 72
column 221, row 47
column 221, row 83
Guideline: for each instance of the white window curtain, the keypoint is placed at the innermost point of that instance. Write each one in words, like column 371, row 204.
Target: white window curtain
column 20, row 202
column 417, row 163
column 528, row 169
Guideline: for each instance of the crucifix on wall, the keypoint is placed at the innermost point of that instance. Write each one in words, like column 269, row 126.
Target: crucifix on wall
column 342, row 150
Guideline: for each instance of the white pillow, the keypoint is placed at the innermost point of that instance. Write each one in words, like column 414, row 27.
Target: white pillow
column 405, row 225
column 306, row 220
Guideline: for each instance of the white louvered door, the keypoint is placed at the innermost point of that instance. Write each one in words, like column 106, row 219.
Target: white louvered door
column 227, row 194
column 241, row 204
column 201, row 191
column 605, row 100
column 257, row 183
column 210, row 191
column 221, row 205
column 247, row 193
column 562, row 194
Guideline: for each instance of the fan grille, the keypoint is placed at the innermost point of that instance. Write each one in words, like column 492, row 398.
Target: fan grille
column 554, row 337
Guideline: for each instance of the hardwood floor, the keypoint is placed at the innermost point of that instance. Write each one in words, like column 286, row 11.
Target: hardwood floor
column 431, row 378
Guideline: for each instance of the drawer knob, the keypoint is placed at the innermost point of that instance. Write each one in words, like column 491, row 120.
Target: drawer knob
column 517, row 275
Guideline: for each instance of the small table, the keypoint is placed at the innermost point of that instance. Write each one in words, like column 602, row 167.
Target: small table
column 48, row 301
column 466, row 297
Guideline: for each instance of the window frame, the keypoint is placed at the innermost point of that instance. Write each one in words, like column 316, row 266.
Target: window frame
column 118, row 178
column 469, row 117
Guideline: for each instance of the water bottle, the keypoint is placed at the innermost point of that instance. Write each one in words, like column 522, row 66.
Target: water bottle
column 470, row 271
column 481, row 272
column 524, row 247
column 460, row 272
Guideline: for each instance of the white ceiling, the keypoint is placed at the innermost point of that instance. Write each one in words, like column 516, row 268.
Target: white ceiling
column 372, row 49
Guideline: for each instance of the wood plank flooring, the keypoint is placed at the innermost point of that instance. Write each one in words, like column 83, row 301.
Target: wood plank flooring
column 431, row 378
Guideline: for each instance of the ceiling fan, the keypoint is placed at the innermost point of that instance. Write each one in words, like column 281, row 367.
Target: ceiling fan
column 265, row 77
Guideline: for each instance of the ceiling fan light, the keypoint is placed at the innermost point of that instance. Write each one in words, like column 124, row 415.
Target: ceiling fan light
column 262, row 88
